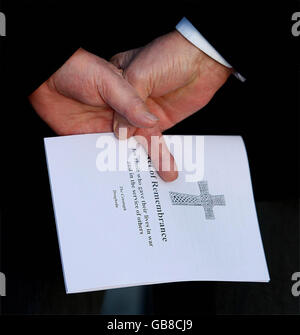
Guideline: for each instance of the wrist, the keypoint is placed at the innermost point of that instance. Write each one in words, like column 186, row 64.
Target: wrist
column 185, row 45
column 200, row 59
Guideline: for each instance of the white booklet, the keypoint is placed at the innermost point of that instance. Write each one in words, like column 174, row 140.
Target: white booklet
column 120, row 225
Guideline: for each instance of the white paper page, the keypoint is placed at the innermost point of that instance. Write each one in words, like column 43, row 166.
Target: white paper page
column 105, row 244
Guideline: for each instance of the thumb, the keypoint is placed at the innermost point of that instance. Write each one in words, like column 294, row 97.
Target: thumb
column 123, row 98
column 154, row 144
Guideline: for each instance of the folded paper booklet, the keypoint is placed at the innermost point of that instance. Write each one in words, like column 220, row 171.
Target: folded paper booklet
column 120, row 225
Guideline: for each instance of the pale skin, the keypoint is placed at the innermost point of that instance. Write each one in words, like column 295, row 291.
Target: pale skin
column 82, row 96
column 168, row 78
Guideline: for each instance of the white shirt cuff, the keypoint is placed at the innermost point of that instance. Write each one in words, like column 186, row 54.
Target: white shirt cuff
column 185, row 28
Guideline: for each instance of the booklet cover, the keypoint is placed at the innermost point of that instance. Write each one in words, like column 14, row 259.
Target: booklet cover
column 120, row 225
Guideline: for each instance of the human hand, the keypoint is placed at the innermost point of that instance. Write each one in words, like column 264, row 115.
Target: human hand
column 83, row 94
column 175, row 79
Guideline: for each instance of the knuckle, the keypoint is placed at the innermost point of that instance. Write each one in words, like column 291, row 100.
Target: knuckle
column 117, row 59
column 134, row 76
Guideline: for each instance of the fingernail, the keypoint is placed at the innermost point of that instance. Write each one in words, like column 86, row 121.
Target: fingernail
column 168, row 176
column 115, row 126
column 150, row 116
column 122, row 131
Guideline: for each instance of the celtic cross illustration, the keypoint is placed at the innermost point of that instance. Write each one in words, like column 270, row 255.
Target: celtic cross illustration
column 206, row 200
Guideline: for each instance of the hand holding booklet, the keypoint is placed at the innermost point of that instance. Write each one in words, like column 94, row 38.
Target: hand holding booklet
column 126, row 227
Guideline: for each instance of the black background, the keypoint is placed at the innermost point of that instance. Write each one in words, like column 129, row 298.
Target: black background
column 264, row 110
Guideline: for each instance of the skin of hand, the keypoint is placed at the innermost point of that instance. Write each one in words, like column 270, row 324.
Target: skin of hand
column 82, row 96
column 175, row 79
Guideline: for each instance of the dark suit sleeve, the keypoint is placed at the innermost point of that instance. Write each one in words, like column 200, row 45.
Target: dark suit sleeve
column 245, row 33
column 250, row 35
